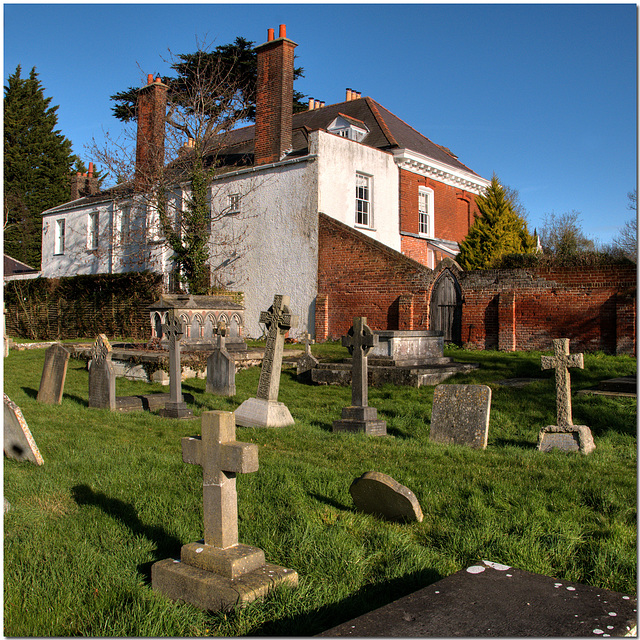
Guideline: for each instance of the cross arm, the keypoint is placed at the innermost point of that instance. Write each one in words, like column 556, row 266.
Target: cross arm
column 239, row 457
column 546, row 362
column 575, row 360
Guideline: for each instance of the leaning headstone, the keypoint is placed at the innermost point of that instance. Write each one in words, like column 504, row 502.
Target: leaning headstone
column 360, row 417
column 221, row 369
column 218, row 573
column 564, row 435
column 460, row 414
column 306, row 362
column 102, row 377
column 56, row 359
column 176, row 407
column 494, row 600
column 264, row 410
column 18, row 441
column 380, row 495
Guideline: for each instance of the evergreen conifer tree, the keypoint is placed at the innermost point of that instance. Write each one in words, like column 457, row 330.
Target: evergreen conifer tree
column 37, row 165
column 496, row 232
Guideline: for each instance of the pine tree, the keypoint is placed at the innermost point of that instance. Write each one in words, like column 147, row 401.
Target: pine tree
column 497, row 231
column 37, row 165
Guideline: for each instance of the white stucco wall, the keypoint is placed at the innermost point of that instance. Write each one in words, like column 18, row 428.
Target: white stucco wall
column 339, row 159
column 278, row 246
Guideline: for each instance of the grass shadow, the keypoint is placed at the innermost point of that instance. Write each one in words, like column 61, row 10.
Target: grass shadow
column 32, row 393
column 367, row 599
column 331, row 502
column 166, row 545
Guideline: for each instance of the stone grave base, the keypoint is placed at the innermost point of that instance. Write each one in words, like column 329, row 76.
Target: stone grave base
column 176, row 410
column 572, row 437
column 361, row 420
column 493, row 600
column 256, row 412
column 217, row 579
column 151, row 402
column 625, row 387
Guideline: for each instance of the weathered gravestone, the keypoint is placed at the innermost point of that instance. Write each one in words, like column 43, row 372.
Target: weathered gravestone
column 564, row 435
column 54, row 372
column 264, row 410
column 497, row 601
column 306, row 362
column 460, row 414
column 102, row 377
column 221, row 369
column 360, row 416
column 218, row 573
column 18, row 441
column 380, row 495
column 176, row 406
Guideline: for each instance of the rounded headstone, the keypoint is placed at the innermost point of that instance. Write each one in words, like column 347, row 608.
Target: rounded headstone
column 379, row 494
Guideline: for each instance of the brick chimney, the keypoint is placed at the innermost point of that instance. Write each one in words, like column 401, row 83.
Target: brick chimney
column 84, row 184
column 152, row 108
column 274, row 98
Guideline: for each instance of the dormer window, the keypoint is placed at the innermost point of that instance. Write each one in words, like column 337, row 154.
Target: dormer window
column 350, row 128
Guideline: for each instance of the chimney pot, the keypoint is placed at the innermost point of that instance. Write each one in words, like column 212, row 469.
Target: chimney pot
column 158, row 79
column 348, row 94
column 269, row 35
column 150, row 78
column 91, row 169
column 311, row 104
column 283, row 31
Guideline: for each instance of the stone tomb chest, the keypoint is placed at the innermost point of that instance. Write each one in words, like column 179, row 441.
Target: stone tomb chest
column 407, row 348
column 200, row 317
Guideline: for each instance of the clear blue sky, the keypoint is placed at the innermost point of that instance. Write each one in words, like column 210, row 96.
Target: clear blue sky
column 545, row 96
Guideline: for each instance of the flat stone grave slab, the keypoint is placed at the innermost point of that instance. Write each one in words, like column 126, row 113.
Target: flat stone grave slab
column 518, row 383
column 18, row 441
column 626, row 387
column 380, row 495
column 460, row 414
column 150, row 402
column 494, row 600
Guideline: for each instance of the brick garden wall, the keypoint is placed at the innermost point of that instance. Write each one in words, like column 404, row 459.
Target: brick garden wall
column 515, row 309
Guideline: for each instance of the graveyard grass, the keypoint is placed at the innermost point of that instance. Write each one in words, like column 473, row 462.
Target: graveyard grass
column 114, row 496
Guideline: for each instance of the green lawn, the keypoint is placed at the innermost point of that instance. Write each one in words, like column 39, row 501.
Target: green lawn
column 114, row 496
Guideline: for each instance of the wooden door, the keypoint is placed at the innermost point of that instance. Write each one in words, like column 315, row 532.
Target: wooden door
column 446, row 307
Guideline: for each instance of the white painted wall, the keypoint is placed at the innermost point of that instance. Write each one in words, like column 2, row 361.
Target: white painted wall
column 339, row 159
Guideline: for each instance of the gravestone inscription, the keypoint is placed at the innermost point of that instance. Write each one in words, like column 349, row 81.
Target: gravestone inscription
column 102, row 377
column 18, row 441
column 54, row 372
column 565, row 435
column 360, row 417
column 264, row 410
column 460, row 414
column 218, row 573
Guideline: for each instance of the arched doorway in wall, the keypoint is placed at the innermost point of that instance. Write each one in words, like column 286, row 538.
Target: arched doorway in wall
column 445, row 309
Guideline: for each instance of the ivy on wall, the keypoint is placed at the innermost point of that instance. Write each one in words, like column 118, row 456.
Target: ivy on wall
column 81, row 306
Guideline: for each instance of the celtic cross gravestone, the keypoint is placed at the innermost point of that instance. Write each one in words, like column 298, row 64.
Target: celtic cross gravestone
column 218, row 573
column 264, row 410
column 359, row 416
column 565, row 435
column 306, row 362
column 176, row 406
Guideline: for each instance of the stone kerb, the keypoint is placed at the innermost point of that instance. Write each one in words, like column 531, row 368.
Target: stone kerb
column 460, row 415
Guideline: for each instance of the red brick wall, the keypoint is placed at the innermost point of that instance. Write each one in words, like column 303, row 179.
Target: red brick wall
column 519, row 309
column 454, row 207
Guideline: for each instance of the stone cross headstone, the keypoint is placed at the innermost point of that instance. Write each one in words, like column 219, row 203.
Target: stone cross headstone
column 460, row 414
column 359, row 416
column 306, row 362
column 54, row 372
column 176, row 406
column 18, row 441
column 565, row 435
column 379, row 494
column 221, row 369
column 102, row 376
column 218, row 573
column 264, row 410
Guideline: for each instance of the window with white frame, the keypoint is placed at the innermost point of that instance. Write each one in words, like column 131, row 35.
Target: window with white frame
column 425, row 211
column 94, row 222
column 363, row 200
column 125, row 224
column 234, row 203
column 58, row 248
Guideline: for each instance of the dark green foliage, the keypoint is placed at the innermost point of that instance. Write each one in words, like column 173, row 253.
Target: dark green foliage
column 237, row 60
column 498, row 231
column 549, row 261
column 37, row 165
column 81, row 306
